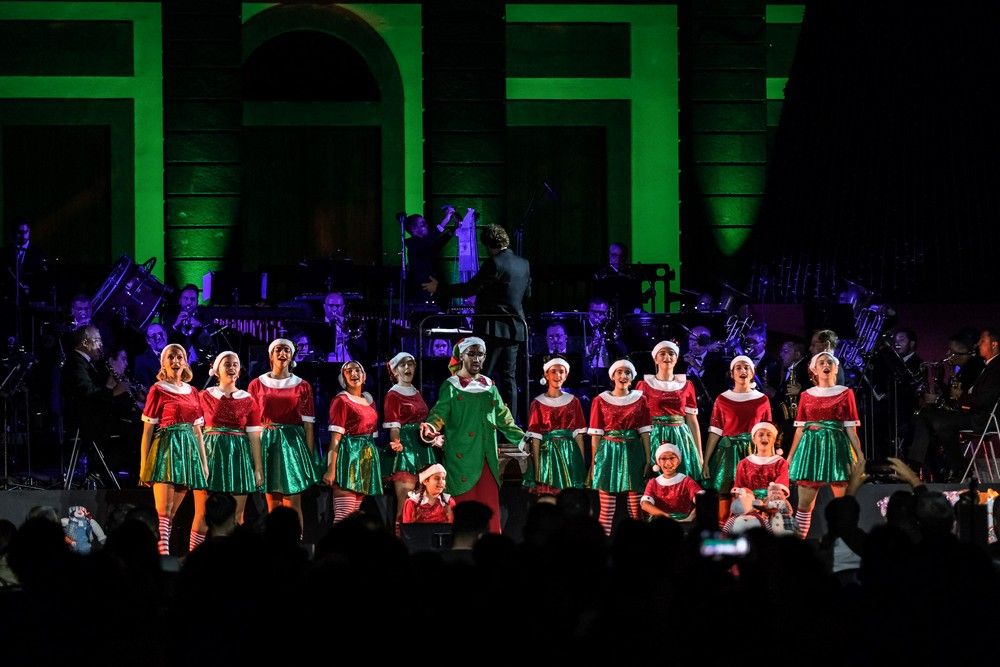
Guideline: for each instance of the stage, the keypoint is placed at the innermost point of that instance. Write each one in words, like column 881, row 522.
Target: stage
column 317, row 511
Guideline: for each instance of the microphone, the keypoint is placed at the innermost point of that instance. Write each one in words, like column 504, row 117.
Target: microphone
column 550, row 191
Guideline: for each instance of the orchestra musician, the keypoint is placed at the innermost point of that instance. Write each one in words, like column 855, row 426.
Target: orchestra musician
column 948, row 381
column 794, row 380
column 768, row 367
column 422, row 249
column 147, row 363
column 23, row 262
column 95, row 400
column 704, row 366
column 187, row 328
column 604, row 344
column 333, row 340
column 941, row 427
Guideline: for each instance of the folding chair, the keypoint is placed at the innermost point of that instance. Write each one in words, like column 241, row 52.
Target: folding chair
column 986, row 445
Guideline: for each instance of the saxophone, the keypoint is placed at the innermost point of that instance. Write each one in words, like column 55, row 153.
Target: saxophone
column 790, row 403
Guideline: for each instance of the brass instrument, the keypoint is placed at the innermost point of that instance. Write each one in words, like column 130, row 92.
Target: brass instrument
column 737, row 330
column 869, row 325
column 187, row 326
column 790, row 403
column 933, row 378
column 605, row 330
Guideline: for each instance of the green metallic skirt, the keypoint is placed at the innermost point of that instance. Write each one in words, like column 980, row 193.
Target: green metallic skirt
column 620, row 463
column 173, row 458
column 289, row 467
column 358, row 467
column 730, row 450
column 230, row 464
column 824, row 454
column 669, row 429
column 560, row 463
column 416, row 454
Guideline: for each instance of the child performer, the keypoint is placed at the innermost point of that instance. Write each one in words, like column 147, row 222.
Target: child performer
column 403, row 410
column 173, row 460
column 619, row 440
column 673, row 406
column 733, row 415
column 353, row 468
column 429, row 503
column 232, row 443
column 765, row 466
column 555, row 430
column 470, row 410
column 288, row 442
column 826, row 439
column 672, row 493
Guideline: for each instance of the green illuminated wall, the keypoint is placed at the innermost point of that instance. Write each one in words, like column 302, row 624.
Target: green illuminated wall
column 727, row 154
column 784, row 22
column 395, row 58
column 650, row 89
column 138, row 228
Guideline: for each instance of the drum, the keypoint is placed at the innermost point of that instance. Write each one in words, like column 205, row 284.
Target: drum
column 132, row 294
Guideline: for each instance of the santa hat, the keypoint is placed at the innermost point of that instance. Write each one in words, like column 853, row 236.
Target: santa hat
column 669, row 344
column 455, row 363
column 214, row 371
column 745, row 358
column 815, row 360
column 397, row 360
column 767, row 426
column 554, row 361
column 167, row 348
column 340, row 374
column 282, row 341
column 621, row 363
column 427, row 472
column 666, row 447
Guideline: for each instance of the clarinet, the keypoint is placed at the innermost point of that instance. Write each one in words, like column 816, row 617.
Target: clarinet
column 135, row 390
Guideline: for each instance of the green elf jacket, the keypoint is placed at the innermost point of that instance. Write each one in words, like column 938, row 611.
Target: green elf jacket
column 470, row 417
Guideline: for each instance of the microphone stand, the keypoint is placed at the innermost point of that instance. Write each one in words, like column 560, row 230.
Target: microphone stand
column 402, row 267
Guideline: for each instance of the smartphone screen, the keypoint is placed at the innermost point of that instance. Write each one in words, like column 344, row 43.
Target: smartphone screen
column 716, row 546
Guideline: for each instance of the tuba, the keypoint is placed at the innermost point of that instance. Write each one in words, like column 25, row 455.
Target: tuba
column 869, row 324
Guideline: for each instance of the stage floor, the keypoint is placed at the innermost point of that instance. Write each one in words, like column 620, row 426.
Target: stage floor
column 316, row 506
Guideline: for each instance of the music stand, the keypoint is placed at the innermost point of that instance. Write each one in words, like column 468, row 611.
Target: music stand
column 426, row 536
column 12, row 385
column 74, row 458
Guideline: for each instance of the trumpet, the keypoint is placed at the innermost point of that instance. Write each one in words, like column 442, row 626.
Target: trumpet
column 187, row 326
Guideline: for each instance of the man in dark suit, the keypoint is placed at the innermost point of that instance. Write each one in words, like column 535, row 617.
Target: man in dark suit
column 767, row 367
column 942, row 426
column 94, row 400
column 24, row 262
column 422, row 248
column 499, row 286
